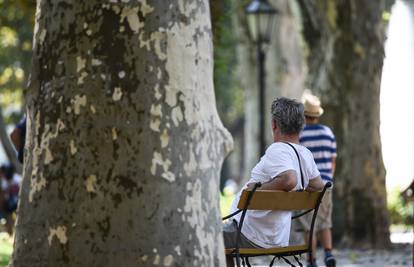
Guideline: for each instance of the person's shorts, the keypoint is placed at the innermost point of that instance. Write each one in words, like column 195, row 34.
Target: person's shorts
column 230, row 236
column 324, row 217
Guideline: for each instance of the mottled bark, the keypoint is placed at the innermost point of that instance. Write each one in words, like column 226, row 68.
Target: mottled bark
column 284, row 69
column 345, row 40
column 124, row 142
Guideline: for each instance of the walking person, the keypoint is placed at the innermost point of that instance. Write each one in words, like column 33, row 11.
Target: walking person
column 320, row 140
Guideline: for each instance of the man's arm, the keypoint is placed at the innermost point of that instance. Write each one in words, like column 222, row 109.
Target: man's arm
column 286, row 181
column 315, row 184
column 333, row 165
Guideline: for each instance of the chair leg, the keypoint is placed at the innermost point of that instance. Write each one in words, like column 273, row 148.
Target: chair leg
column 238, row 260
column 247, row 262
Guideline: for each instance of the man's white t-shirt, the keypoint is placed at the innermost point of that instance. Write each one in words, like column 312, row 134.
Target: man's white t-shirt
column 272, row 228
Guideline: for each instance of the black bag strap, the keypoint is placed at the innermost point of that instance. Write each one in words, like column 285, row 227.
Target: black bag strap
column 300, row 165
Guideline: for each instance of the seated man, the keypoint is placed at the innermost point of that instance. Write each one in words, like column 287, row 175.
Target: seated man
column 278, row 169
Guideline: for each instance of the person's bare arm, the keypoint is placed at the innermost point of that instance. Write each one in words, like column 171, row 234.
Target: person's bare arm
column 286, row 181
column 315, row 184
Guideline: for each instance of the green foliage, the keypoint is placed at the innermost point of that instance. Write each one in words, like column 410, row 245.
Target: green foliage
column 400, row 212
column 225, row 204
column 16, row 33
column 229, row 94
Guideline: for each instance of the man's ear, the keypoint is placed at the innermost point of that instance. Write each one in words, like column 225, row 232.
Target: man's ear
column 274, row 126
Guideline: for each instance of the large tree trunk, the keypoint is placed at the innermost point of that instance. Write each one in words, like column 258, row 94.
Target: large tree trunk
column 346, row 40
column 124, row 142
column 284, row 73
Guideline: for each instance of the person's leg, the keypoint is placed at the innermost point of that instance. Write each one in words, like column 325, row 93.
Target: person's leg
column 324, row 231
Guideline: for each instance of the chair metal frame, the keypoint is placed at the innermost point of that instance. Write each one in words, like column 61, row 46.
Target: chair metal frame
column 276, row 252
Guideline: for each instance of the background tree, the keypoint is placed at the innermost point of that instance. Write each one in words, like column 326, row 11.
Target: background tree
column 346, row 50
column 284, row 69
column 16, row 33
column 125, row 145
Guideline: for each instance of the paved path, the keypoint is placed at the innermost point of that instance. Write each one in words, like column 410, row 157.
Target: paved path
column 400, row 255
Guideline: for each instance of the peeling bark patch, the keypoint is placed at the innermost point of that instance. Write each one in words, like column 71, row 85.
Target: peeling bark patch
column 36, row 185
column 80, row 63
column 90, row 183
column 157, row 260
column 178, row 250
column 131, row 14
column 145, row 8
column 156, row 114
column 191, row 165
column 114, row 134
column 164, row 139
column 168, row 260
column 59, row 233
column 177, row 115
column 78, row 102
column 48, row 156
column 155, row 125
column 42, row 36
column 165, row 164
column 96, row 62
column 117, row 95
column 171, row 96
column 73, row 148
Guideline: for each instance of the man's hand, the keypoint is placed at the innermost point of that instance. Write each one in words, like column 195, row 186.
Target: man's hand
column 315, row 184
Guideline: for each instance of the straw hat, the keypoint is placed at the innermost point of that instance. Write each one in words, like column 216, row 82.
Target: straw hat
column 312, row 104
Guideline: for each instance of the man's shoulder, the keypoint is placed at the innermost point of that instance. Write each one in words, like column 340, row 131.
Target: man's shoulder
column 279, row 149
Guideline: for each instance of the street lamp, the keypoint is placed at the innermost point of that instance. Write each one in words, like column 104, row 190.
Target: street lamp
column 260, row 18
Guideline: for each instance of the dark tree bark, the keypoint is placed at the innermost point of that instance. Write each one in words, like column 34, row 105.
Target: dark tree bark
column 346, row 44
column 124, row 141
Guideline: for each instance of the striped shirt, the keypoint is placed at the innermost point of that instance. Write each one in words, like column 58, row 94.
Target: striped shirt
column 320, row 140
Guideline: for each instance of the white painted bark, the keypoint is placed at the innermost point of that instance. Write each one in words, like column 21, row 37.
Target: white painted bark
column 125, row 145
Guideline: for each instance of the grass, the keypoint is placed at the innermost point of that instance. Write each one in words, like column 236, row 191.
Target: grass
column 6, row 249
column 225, row 204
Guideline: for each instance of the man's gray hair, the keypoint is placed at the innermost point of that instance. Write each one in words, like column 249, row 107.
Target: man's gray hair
column 289, row 115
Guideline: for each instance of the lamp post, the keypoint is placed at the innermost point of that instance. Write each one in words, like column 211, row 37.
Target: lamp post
column 260, row 18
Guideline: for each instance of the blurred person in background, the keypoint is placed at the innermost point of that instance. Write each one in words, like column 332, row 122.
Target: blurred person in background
column 10, row 186
column 320, row 140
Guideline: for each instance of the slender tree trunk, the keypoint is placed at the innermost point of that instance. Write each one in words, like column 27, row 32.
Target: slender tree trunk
column 124, row 142
column 346, row 43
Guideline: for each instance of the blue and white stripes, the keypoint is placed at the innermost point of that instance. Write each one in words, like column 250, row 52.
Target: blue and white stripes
column 320, row 140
